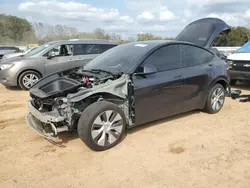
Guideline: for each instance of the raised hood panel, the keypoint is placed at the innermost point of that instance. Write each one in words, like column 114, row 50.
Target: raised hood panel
column 203, row 32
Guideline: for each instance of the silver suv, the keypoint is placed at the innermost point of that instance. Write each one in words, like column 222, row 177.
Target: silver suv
column 49, row 58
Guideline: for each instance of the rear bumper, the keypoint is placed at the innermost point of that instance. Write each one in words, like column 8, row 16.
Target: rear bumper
column 42, row 123
column 239, row 75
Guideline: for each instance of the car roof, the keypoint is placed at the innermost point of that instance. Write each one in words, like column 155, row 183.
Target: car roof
column 8, row 46
column 155, row 43
column 84, row 41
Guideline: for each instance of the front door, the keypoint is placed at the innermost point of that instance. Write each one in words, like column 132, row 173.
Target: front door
column 198, row 69
column 62, row 59
column 160, row 94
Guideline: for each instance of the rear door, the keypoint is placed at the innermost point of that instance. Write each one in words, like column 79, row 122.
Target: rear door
column 198, row 68
column 84, row 53
column 203, row 32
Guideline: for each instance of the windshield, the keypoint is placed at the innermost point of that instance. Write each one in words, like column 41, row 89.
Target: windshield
column 244, row 49
column 38, row 49
column 120, row 58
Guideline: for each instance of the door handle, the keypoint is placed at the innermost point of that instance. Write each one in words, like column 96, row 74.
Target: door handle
column 210, row 65
column 178, row 76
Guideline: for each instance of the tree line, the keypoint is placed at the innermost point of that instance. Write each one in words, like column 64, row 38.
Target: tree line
column 18, row 31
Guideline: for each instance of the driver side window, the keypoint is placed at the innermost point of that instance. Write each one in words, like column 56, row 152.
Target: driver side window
column 62, row 50
column 165, row 58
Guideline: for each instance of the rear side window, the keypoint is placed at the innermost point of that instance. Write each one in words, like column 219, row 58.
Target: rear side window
column 165, row 58
column 85, row 49
column 196, row 56
column 105, row 47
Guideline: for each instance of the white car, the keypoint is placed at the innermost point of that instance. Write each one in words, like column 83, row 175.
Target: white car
column 8, row 56
column 239, row 64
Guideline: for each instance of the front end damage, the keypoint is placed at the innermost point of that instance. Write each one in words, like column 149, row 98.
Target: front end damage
column 58, row 101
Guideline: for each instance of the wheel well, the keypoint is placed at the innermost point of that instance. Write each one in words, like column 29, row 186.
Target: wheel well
column 26, row 71
column 223, row 83
column 109, row 97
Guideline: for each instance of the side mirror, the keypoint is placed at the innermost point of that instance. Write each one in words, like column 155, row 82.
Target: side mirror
column 147, row 70
column 51, row 54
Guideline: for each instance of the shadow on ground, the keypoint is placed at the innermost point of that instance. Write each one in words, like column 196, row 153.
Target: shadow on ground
column 13, row 88
column 165, row 120
column 66, row 137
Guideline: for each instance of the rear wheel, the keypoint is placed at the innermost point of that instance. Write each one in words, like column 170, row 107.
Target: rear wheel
column 27, row 79
column 101, row 125
column 216, row 99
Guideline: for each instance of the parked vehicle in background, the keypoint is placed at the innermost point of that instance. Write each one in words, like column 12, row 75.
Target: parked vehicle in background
column 133, row 84
column 219, row 54
column 239, row 64
column 8, row 56
column 7, row 50
column 227, row 50
column 52, row 57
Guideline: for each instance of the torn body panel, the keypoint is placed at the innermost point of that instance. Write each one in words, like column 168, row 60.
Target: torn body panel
column 56, row 106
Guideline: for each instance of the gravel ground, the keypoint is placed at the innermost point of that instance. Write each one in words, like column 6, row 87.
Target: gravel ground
column 191, row 150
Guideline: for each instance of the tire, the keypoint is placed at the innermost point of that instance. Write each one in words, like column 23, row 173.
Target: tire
column 33, row 76
column 89, row 128
column 210, row 106
column 233, row 82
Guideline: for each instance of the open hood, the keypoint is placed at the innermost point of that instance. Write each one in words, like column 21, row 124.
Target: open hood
column 203, row 32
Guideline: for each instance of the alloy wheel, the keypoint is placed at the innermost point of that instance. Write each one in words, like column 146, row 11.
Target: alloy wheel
column 217, row 100
column 29, row 80
column 107, row 128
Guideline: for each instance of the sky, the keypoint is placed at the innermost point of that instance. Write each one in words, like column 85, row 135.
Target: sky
column 128, row 17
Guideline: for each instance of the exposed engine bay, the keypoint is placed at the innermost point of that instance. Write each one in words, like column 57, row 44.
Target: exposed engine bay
column 62, row 97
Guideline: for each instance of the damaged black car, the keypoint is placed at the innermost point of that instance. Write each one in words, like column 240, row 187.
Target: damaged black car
column 133, row 84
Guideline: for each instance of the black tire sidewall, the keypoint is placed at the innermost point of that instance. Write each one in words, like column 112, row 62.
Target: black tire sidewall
column 209, row 108
column 20, row 79
column 87, row 118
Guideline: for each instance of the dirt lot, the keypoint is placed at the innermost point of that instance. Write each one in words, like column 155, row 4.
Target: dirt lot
column 191, row 150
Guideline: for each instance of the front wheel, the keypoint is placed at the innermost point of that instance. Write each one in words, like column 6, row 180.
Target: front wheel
column 101, row 125
column 216, row 99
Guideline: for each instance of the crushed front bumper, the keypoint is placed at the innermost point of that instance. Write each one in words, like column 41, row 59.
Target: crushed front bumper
column 40, row 122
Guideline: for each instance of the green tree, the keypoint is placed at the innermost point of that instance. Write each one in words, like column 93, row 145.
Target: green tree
column 236, row 37
column 14, row 30
column 149, row 36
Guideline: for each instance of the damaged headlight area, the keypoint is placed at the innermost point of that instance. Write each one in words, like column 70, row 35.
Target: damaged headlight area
column 51, row 116
column 57, row 102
